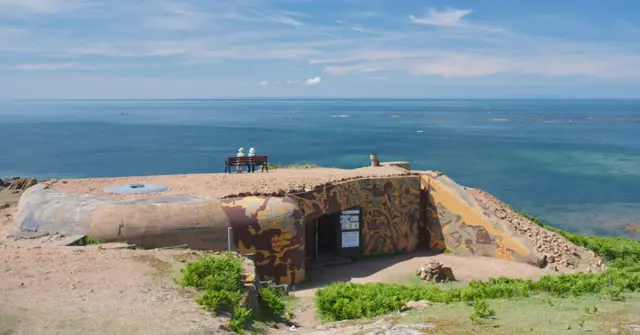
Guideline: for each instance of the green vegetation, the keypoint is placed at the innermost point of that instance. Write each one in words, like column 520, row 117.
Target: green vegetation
column 481, row 311
column 272, row 302
column 88, row 240
column 526, row 316
column 341, row 301
column 617, row 252
column 220, row 277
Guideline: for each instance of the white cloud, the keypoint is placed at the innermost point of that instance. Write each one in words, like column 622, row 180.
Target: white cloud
column 279, row 18
column 461, row 65
column 39, row 6
column 313, row 81
column 52, row 67
column 358, row 68
column 449, row 17
column 275, row 41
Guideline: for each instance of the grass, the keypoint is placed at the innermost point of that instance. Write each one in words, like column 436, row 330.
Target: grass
column 481, row 312
column 90, row 240
column 343, row 301
column 531, row 316
column 220, row 280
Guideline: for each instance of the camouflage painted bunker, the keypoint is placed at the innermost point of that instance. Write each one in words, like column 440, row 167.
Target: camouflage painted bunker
column 353, row 218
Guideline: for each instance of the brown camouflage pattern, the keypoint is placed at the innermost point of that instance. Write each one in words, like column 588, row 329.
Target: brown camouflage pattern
column 390, row 210
column 458, row 223
column 273, row 229
column 269, row 227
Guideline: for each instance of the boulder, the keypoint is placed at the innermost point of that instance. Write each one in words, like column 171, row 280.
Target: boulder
column 436, row 272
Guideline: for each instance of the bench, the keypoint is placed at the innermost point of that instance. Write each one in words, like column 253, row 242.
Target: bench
column 251, row 162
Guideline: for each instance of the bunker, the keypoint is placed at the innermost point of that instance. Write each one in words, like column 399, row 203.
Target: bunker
column 383, row 210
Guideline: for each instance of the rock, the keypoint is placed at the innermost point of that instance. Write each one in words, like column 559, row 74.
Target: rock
column 21, row 184
column 417, row 305
column 633, row 228
column 633, row 328
column 435, row 271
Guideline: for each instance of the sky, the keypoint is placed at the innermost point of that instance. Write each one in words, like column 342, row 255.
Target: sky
column 319, row 48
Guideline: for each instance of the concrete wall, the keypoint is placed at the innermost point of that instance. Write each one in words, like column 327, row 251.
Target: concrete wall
column 270, row 227
column 458, row 223
column 390, row 209
column 400, row 214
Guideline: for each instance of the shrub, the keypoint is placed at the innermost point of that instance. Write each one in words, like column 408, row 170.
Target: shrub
column 213, row 273
column 272, row 302
column 481, row 311
column 241, row 317
column 220, row 277
column 217, row 301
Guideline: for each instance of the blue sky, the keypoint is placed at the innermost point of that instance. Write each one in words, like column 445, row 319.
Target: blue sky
column 319, row 48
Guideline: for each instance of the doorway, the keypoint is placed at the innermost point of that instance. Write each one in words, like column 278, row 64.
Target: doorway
column 327, row 236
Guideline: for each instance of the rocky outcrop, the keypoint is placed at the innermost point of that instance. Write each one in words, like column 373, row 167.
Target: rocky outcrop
column 557, row 249
column 18, row 184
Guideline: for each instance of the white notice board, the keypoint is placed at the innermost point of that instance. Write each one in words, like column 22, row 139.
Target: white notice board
column 350, row 239
column 350, row 220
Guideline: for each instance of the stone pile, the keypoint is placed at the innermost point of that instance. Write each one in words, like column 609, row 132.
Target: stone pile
column 436, row 272
column 558, row 250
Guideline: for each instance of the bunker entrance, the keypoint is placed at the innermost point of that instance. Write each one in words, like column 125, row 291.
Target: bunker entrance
column 334, row 239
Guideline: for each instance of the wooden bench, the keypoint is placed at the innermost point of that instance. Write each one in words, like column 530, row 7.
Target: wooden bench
column 250, row 162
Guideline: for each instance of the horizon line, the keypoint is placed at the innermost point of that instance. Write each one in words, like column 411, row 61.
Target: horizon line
column 305, row 98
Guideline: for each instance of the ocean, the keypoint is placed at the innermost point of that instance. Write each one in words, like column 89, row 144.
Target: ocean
column 574, row 163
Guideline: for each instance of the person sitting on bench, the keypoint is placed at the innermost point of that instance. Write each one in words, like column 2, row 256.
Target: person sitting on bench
column 240, row 154
column 252, row 164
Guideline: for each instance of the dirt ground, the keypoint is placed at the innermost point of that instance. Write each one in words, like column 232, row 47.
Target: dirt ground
column 46, row 289
column 401, row 268
column 221, row 185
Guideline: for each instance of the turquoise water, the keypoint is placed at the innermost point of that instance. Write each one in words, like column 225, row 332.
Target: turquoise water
column 576, row 163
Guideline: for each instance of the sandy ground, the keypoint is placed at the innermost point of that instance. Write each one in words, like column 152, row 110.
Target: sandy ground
column 45, row 289
column 221, row 185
